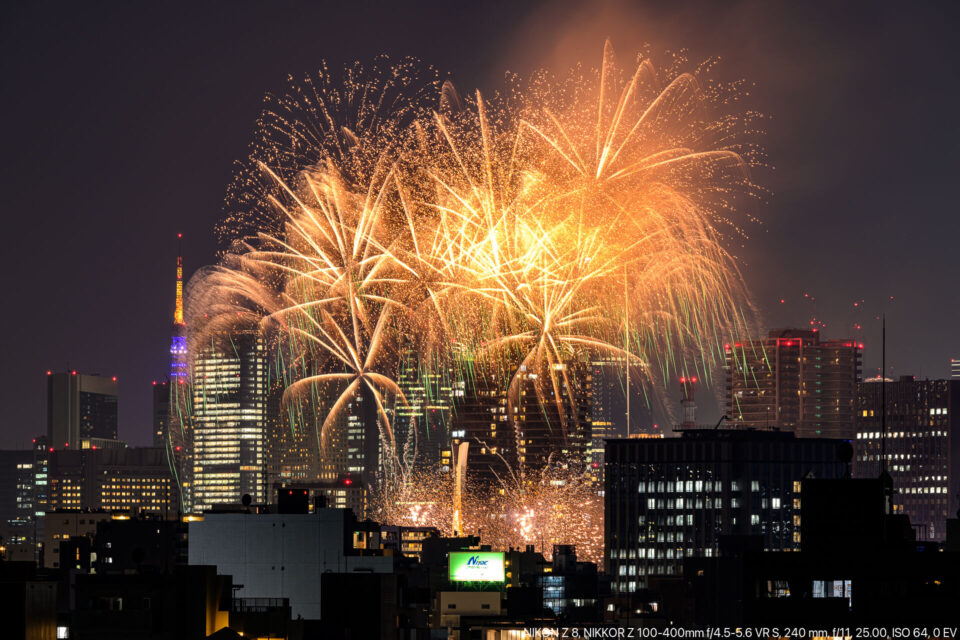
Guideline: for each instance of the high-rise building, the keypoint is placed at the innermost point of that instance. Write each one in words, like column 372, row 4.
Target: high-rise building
column 357, row 443
column 955, row 368
column 80, row 407
column 794, row 381
column 229, row 420
column 533, row 429
column 922, row 447
column 667, row 499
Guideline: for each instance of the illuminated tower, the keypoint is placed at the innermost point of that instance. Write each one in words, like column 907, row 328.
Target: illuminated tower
column 175, row 430
column 178, row 347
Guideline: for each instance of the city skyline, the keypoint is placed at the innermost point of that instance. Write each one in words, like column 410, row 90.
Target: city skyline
column 112, row 273
column 513, row 320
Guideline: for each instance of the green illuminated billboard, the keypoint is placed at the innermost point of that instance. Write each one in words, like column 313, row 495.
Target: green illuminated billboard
column 476, row 566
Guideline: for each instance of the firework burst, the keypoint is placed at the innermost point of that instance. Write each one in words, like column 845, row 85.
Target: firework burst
column 574, row 216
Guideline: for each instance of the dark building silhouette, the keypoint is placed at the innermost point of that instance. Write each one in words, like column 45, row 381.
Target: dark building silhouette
column 133, row 544
column 190, row 602
column 29, row 598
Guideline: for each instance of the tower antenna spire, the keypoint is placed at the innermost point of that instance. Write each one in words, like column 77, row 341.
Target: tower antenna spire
column 178, row 309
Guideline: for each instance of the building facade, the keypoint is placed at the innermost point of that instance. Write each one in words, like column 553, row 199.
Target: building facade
column 118, row 480
column 667, row 499
column 229, row 421
column 794, row 381
column 922, row 447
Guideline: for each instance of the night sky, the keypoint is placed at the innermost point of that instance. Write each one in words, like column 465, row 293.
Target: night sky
column 121, row 123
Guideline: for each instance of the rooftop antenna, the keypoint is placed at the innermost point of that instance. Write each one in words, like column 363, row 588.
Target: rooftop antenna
column 885, row 480
column 626, row 343
column 883, row 395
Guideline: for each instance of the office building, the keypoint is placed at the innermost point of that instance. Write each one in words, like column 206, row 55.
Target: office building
column 795, row 381
column 922, row 447
column 667, row 499
column 121, row 480
column 955, row 368
column 80, row 406
column 229, row 421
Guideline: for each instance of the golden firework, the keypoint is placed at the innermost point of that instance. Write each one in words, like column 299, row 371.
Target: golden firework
column 588, row 214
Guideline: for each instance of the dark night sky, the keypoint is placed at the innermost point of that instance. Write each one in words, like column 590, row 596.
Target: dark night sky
column 121, row 122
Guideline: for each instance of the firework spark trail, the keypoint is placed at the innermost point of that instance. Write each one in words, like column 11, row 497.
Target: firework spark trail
column 389, row 213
